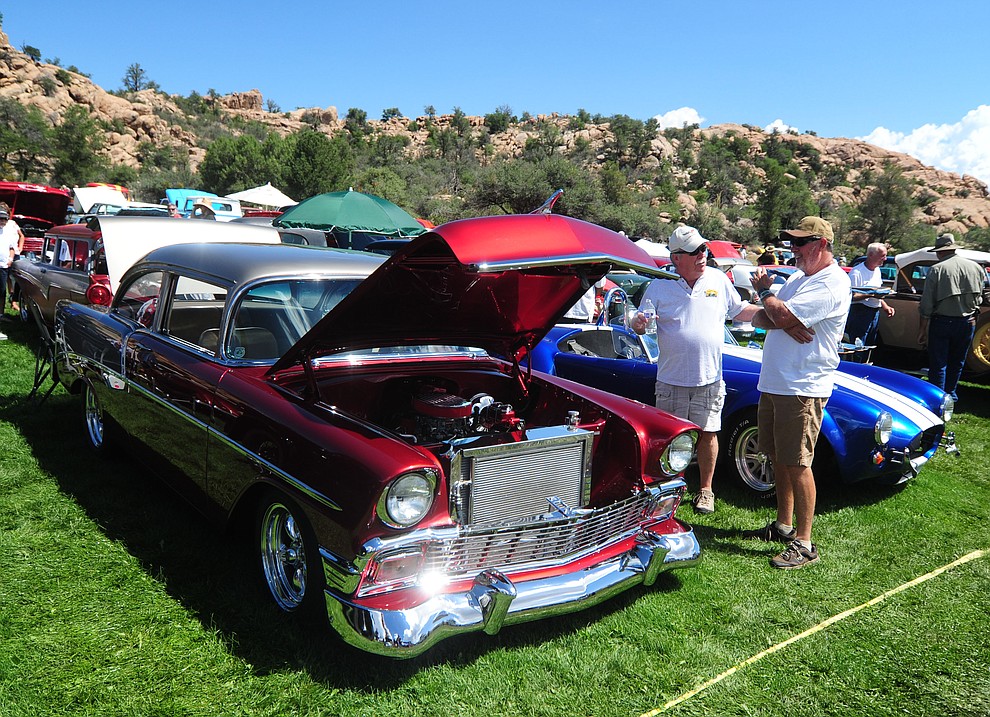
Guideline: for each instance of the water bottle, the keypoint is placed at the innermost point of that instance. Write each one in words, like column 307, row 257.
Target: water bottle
column 650, row 312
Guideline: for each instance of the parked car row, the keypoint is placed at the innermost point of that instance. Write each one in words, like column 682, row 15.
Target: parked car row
column 419, row 450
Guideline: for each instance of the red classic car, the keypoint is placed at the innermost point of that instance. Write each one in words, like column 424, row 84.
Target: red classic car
column 406, row 475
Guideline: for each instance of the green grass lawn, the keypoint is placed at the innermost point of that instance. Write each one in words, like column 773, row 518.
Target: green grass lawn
column 117, row 599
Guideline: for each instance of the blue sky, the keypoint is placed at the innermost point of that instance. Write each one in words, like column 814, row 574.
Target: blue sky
column 905, row 75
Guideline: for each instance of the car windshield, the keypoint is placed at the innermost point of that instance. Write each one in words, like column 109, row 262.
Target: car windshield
column 269, row 318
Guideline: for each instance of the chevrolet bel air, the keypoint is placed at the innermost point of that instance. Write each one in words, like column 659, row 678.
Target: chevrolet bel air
column 406, row 476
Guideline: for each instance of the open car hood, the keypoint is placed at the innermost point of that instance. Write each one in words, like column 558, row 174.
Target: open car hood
column 35, row 201
column 127, row 239
column 497, row 283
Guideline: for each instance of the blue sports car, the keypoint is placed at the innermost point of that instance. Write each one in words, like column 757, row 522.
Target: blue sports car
column 879, row 424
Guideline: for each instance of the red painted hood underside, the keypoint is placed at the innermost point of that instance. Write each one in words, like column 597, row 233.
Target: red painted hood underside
column 497, row 283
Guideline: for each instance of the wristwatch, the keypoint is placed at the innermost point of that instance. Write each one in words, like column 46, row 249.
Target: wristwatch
column 764, row 294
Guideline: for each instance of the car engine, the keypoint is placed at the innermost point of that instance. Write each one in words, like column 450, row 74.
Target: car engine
column 437, row 416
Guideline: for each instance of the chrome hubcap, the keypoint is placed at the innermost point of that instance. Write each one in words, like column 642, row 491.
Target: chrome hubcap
column 753, row 466
column 283, row 557
column 94, row 418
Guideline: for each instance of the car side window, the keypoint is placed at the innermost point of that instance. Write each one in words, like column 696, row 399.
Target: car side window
column 195, row 312
column 48, row 250
column 138, row 299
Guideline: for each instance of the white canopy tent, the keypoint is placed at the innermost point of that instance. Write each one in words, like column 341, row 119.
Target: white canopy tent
column 266, row 195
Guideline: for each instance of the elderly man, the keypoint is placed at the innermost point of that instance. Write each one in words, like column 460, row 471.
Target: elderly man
column 949, row 306
column 690, row 323
column 864, row 313
column 804, row 323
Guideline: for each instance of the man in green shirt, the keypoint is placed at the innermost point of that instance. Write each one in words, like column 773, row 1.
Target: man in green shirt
column 953, row 292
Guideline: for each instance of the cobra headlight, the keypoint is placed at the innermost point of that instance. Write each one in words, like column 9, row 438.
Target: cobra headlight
column 678, row 454
column 883, row 428
column 407, row 499
column 946, row 408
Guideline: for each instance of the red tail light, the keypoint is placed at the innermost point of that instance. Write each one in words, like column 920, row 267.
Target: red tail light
column 99, row 294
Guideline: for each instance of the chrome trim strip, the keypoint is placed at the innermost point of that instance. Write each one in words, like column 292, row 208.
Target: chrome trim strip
column 494, row 600
column 254, row 458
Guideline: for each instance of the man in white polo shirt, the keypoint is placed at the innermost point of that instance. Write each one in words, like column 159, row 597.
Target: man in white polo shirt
column 690, row 318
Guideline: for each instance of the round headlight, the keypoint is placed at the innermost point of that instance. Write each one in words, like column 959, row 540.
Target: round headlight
column 408, row 499
column 679, row 453
column 947, row 407
column 883, row 428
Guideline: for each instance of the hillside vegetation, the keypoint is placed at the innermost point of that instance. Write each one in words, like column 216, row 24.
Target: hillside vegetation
column 733, row 182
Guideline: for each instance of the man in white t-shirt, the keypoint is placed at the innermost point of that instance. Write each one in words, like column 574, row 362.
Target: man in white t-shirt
column 690, row 319
column 864, row 312
column 804, row 323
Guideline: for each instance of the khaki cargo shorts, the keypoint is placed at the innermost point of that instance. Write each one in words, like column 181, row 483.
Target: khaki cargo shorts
column 789, row 427
column 698, row 404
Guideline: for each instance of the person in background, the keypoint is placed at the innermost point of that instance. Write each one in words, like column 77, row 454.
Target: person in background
column 8, row 246
column 768, row 257
column 949, row 306
column 586, row 308
column 864, row 312
column 690, row 325
column 804, row 323
column 173, row 211
column 13, row 235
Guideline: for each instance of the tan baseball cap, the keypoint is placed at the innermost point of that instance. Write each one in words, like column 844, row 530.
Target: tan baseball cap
column 811, row 227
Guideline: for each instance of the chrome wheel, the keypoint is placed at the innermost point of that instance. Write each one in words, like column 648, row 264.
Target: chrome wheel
column 752, row 466
column 93, row 417
column 283, row 556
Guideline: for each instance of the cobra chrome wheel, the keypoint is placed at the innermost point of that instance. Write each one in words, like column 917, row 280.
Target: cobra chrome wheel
column 751, row 466
column 287, row 555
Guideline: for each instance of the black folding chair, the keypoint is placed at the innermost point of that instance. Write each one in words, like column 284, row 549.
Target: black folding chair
column 44, row 358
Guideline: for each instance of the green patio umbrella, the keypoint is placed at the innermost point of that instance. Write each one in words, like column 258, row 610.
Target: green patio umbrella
column 345, row 213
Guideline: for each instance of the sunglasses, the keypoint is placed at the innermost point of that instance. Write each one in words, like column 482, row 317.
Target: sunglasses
column 804, row 240
column 692, row 253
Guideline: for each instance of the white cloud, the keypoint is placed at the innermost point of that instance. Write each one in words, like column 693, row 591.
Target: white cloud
column 781, row 127
column 962, row 147
column 678, row 118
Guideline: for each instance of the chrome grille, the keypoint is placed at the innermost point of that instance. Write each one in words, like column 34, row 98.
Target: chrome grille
column 494, row 484
column 530, row 545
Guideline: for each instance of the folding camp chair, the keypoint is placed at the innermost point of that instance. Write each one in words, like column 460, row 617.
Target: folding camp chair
column 44, row 358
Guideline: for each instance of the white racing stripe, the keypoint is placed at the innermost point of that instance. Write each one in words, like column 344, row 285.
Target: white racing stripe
column 909, row 409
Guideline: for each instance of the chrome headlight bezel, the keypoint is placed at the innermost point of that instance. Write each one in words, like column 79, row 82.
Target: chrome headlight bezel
column 408, row 498
column 677, row 456
column 883, row 428
column 946, row 408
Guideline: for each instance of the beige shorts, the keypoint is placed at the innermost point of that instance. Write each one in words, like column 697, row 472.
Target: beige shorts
column 789, row 427
column 698, row 404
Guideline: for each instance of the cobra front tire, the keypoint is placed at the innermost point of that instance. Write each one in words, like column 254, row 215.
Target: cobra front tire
column 742, row 457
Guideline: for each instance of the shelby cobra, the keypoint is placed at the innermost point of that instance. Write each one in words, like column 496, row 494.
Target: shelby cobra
column 879, row 424
column 401, row 479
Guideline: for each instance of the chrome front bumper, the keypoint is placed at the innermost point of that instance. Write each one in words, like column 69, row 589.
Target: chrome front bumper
column 494, row 601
